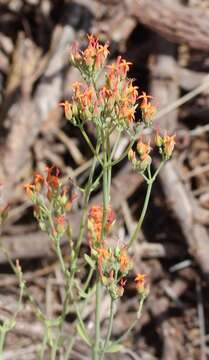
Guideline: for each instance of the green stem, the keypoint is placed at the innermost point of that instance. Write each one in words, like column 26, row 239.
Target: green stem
column 158, row 170
column 89, row 277
column 141, row 219
column 43, row 347
column 57, row 240
column 54, row 349
column 60, row 257
column 106, row 183
column 139, row 312
column 115, row 146
column 109, row 331
column 97, row 321
column 106, row 199
column 73, row 338
column 86, row 200
column 88, row 141
column 2, row 340
column 117, row 161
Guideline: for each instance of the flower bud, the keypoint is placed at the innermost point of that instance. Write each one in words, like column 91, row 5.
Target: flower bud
column 168, row 145
column 142, row 148
column 68, row 109
column 158, row 139
column 145, row 162
column 131, row 155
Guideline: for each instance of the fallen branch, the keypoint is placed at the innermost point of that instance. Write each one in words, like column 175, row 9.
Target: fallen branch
column 175, row 22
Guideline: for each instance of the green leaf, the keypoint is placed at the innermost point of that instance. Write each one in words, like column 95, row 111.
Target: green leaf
column 83, row 334
column 114, row 347
column 89, row 261
column 82, row 293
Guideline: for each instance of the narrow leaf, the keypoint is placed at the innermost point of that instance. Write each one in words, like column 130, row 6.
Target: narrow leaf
column 83, row 334
column 113, row 348
column 89, row 261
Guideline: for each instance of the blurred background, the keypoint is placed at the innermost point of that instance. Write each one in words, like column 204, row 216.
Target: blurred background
column 168, row 44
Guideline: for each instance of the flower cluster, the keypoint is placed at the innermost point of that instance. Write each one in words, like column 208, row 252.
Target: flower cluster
column 114, row 104
column 95, row 222
column 113, row 266
column 91, row 60
column 113, row 263
column 51, row 201
column 165, row 145
column 143, row 160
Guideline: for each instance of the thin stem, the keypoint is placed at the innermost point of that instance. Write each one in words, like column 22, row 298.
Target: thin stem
column 2, row 340
column 86, row 200
column 54, row 349
column 89, row 277
column 97, row 321
column 117, row 161
column 73, row 338
column 158, row 170
column 88, row 141
column 80, row 320
column 109, row 331
column 106, row 199
column 143, row 213
column 115, row 146
column 127, row 332
column 106, row 182
column 43, row 347
column 60, row 257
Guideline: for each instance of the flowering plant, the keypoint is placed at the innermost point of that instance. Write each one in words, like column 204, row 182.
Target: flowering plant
column 111, row 108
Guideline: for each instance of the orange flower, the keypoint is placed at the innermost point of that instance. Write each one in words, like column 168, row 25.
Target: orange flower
column 158, row 139
column 148, row 113
column 103, row 252
column 38, row 181
column 143, row 148
column 101, row 55
column 131, row 155
column 95, row 54
column 148, row 110
column 67, row 108
column 145, row 98
column 119, row 68
column 128, row 113
column 105, row 92
column 93, row 40
column 29, row 188
column 96, row 218
column 132, row 93
column 168, row 144
column 52, row 180
column 76, row 86
column 88, row 96
column 74, row 52
column 140, row 281
column 60, row 219
column 124, row 260
column 123, row 66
